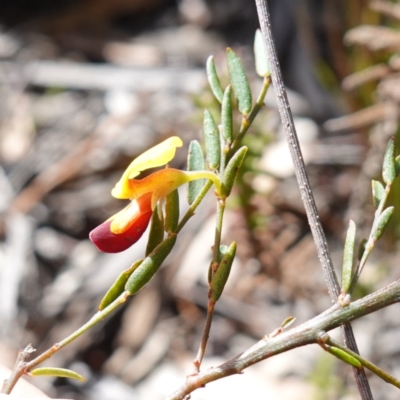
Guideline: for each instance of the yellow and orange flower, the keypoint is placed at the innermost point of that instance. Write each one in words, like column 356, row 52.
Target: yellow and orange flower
column 126, row 227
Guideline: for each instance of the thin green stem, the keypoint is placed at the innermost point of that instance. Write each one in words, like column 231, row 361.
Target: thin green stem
column 367, row 364
column 218, row 229
column 191, row 210
column 215, row 260
column 371, row 241
column 248, row 119
column 100, row 315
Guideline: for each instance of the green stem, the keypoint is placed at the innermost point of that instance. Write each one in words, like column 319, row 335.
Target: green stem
column 100, row 315
column 190, row 212
column 218, row 229
column 248, row 119
column 367, row 364
column 193, row 175
column 371, row 241
column 215, row 260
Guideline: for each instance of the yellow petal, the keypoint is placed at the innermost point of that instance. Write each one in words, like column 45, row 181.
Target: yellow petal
column 155, row 157
column 163, row 182
column 125, row 218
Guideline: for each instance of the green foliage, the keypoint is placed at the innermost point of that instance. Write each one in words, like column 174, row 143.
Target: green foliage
column 195, row 162
column 171, row 211
column 149, row 266
column 118, row 286
column 239, row 82
column 156, row 234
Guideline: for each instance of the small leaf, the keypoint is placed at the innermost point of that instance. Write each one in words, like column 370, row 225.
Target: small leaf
column 239, row 82
column 60, row 372
column 211, row 141
column 261, row 57
column 156, row 234
column 361, row 249
column 377, row 192
column 220, row 276
column 213, row 79
column 171, row 211
column 231, row 171
column 389, row 165
column 288, row 322
column 343, row 356
column 195, row 163
column 118, row 287
column 226, row 116
column 348, row 255
column 397, row 161
column 150, row 265
column 382, row 223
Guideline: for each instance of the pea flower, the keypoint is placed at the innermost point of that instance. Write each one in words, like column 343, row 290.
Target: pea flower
column 126, row 227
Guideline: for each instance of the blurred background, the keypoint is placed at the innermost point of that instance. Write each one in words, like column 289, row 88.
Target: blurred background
column 85, row 86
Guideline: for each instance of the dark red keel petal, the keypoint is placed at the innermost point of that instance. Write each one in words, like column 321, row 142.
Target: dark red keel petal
column 109, row 242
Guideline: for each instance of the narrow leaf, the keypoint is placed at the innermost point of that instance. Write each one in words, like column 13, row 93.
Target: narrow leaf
column 220, row 276
column 156, row 234
column 382, row 223
column 239, row 82
column 389, row 164
column 226, row 116
column 118, row 287
column 60, row 372
column 171, row 211
column 211, row 141
column 343, row 356
column 348, row 256
column 260, row 54
column 377, row 192
column 213, row 79
column 150, row 265
column 231, row 171
column 288, row 322
column 195, row 163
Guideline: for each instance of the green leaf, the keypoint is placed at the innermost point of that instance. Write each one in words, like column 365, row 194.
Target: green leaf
column 288, row 322
column 377, row 192
column 261, row 57
column 361, row 249
column 195, row 163
column 231, row 171
column 150, row 265
column 239, row 82
column 211, row 141
column 397, row 161
column 213, row 79
column 389, row 164
column 156, row 234
column 60, row 372
column 343, row 356
column 171, row 211
column 382, row 223
column 221, row 275
column 226, row 116
column 118, row 287
column 348, row 256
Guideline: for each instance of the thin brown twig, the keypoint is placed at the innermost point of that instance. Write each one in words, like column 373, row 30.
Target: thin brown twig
column 302, row 335
column 305, row 188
